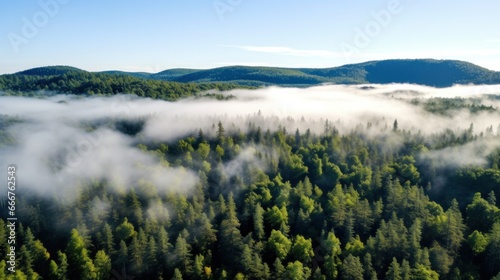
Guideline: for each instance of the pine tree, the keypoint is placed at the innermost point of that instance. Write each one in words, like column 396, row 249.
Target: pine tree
column 296, row 271
column 279, row 269
column 163, row 247
column 52, row 270
column 122, row 255
column 414, row 238
column 105, row 239
column 230, row 239
column 125, row 230
column 493, row 250
column 58, row 271
column 332, row 259
column 351, row 269
column 279, row 244
column 369, row 273
column 405, row 270
column 151, row 257
column 258, row 222
column 478, row 242
column 26, row 261
column 3, row 268
column 102, row 264
column 302, row 249
column 492, row 198
column 79, row 263
column 221, row 132
column 177, row 275
column 183, row 255
column 394, row 271
column 198, row 267
column 440, row 258
column 454, row 228
column 136, row 253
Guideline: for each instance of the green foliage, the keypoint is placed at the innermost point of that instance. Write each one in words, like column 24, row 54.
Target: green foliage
column 49, row 80
column 102, row 264
column 493, row 250
column 394, row 272
column 296, row 271
column 418, row 71
column 351, row 269
column 279, row 244
column 302, row 249
column 125, row 230
column 477, row 241
column 79, row 263
column 329, row 206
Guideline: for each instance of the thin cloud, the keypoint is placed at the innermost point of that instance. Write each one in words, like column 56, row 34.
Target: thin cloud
column 219, row 64
column 56, row 148
column 288, row 51
column 428, row 54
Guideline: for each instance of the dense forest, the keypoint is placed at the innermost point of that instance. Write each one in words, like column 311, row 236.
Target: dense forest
column 173, row 84
column 438, row 73
column 376, row 201
column 69, row 80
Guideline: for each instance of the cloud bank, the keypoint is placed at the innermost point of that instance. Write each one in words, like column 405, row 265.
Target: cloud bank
column 64, row 141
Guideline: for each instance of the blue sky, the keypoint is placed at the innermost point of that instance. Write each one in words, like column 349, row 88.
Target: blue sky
column 154, row 35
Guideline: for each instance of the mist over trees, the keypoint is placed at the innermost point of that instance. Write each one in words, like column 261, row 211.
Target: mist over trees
column 391, row 182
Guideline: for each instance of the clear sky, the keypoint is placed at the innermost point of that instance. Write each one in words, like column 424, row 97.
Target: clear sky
column 154, row 35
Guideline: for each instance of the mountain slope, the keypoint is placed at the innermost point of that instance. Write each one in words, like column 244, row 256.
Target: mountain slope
column 55, row 80
column 439, row 73
column 50, row 71
column 430, row 72
column 143, row 75
column 271, row 75
column 172, row 74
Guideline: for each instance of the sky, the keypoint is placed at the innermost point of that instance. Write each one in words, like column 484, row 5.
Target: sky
column 154, row 35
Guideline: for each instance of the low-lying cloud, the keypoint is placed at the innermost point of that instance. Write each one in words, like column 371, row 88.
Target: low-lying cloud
column 63, row 141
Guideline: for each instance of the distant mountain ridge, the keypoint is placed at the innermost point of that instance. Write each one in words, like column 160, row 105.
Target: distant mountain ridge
column 430, row 72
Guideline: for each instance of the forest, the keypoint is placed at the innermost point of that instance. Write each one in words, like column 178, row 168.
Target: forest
column 173, row 84
column 68, row 80
column 332, row 182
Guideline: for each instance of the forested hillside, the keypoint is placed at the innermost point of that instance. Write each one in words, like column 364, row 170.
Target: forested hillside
column 437, row 73
column 378, row 200
column 68, row 80
column 176, row 83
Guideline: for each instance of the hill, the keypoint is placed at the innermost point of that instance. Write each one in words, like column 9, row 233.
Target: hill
column 68, row 80
column 174, row 83
column 172, row 74
column 438, row 73
column 430, row 72
column 50, row 71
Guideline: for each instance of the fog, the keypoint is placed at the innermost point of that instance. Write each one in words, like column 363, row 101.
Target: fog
column 60, row 141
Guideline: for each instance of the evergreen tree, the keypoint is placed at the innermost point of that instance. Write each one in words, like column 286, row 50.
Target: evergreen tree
column 258, row 222
column 394, row 271
column 351, row 269
column 279, row 244
column 230, row 239
column 493, row 250
column 102, row 264
column 80, row 265
column 182, row 253
column 369, row 271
